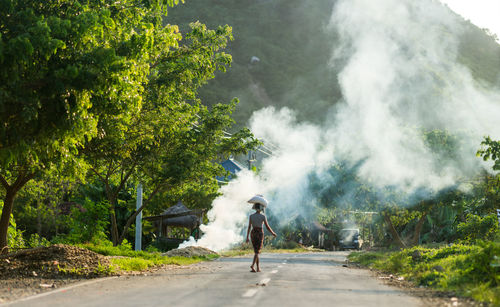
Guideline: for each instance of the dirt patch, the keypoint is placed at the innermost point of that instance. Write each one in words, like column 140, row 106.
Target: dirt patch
column 33, row 271
column 190, row 251
column 52, row 262
column 41, row 269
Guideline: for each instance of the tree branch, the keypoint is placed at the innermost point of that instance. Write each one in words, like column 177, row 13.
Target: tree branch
column 26, row 179
column 110, row 169
column 127, row 176
column 98, row 175
column 393, row 231
column 19, row 181
column 4, row 182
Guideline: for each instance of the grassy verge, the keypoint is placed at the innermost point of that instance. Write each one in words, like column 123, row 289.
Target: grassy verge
column 246, row 249
column 467, row 270
column 129, row 260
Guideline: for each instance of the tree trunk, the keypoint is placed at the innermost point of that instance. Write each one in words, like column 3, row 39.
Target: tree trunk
column 38, row 218
column 8, row 203
column 418, row 229
column 393, row 231
column 114, row 225
column 129, row 222
column 112, row 214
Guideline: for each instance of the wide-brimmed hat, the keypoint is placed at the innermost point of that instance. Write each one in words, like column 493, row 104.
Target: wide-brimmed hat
column 258, row 199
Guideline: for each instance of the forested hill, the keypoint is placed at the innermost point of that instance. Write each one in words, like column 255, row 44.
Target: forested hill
column 291, row 49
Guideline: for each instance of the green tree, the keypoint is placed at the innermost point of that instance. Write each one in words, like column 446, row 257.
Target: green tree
column 174, row 139
column 490, row 150
column 63, row 65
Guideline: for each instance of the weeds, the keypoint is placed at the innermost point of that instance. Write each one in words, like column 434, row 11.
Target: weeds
column 129, row 260
column 468, row 270
column 246, row 249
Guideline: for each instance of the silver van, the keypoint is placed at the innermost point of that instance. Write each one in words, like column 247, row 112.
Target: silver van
column 350, row 239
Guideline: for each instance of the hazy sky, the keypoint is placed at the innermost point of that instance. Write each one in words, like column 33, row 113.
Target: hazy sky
column 483, row 13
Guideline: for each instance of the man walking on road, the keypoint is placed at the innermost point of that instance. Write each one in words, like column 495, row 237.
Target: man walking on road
column 255, row 223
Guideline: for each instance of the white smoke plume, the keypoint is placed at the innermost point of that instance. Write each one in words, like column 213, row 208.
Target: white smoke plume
column 400, row 75
column 283, row 178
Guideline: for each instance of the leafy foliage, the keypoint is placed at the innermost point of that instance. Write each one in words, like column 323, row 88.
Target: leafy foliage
column 109, row 87
column 470, row 270
column 478, row 228
column 63, row 65
column 88, row 223
column 36, row 241
column 174, row 140
column 490, row 151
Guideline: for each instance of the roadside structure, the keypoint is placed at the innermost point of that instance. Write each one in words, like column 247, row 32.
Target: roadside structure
column 171, row 224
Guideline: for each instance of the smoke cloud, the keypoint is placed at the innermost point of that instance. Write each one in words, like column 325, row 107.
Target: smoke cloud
column 400, row 75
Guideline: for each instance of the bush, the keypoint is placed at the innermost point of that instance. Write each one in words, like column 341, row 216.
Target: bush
column 88, row 223
column 476, row 228
column 35, row 241
column 285, row 244
column 367, row 258
column 469, row 270
column 165, row 244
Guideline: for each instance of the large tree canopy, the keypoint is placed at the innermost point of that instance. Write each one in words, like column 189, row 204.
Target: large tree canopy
column 174, row 138
column 106, row 76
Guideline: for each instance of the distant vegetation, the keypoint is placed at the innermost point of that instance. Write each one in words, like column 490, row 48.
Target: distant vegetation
column 294, row 47
column 289, row 39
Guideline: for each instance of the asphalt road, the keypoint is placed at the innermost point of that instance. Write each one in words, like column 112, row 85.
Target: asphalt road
column 307, row 279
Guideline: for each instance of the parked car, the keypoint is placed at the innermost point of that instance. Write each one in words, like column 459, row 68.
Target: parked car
column 350, row 239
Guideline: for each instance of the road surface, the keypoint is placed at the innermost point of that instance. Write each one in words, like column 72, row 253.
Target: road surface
column 305, row 279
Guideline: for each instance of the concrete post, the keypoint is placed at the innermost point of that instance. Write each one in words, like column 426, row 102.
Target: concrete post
column 138, row 220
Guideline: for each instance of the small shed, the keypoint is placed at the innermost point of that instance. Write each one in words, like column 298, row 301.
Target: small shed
column 178, row 216
column 321, row 232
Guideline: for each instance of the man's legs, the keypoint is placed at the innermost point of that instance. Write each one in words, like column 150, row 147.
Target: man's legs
column 257, row 261
column 255, row 257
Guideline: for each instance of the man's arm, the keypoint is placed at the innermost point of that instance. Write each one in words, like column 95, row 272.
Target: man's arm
column 248, row 229
column 269, row 228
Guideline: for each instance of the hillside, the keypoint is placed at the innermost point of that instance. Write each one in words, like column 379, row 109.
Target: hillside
column 294, row 47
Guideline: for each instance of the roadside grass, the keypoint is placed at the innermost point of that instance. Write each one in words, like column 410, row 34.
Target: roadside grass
column 126, row 259
column 246, row 249
column 467, row 270
column 141, row 264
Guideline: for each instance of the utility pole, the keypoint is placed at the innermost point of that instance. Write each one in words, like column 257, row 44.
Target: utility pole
column 498, row 216
column 251, row 159
column 138, row 220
